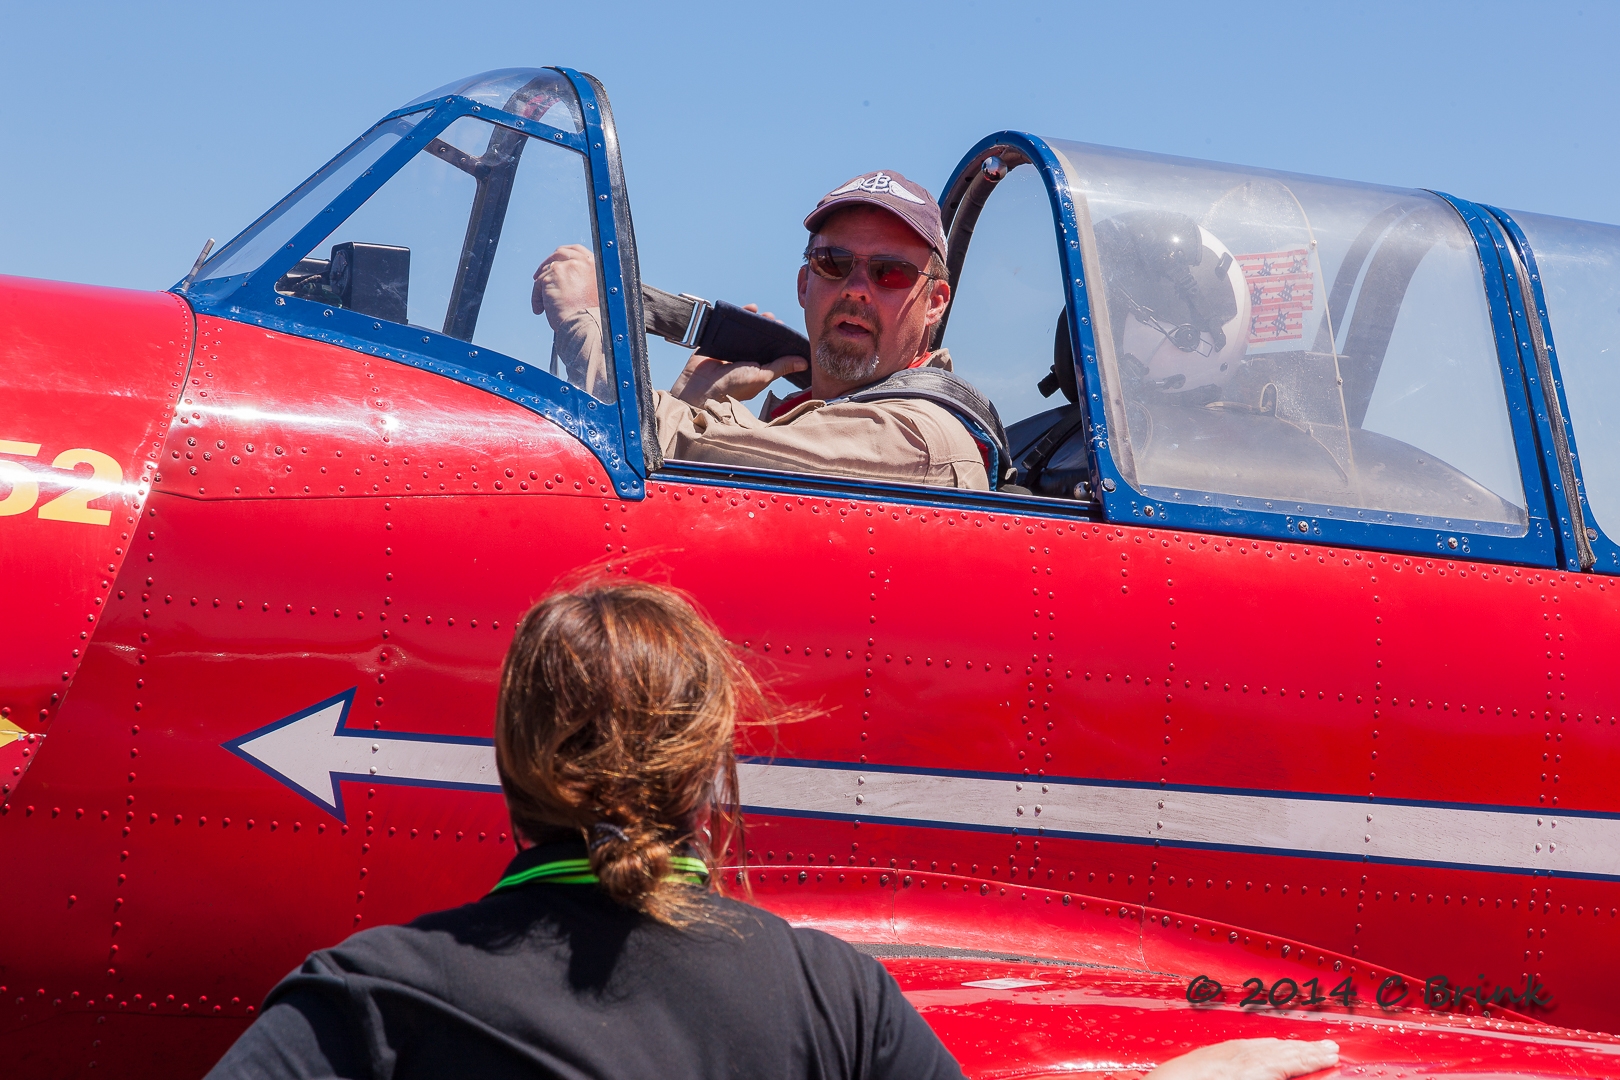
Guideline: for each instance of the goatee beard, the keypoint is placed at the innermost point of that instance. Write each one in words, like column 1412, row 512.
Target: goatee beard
column 844, row 363
column 847, row 361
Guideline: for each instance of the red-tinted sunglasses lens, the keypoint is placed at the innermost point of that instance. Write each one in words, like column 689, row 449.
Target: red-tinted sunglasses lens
column 892, row 273
column 835, row 264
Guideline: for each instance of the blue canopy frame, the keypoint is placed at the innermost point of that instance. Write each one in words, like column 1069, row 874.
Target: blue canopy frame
column 1605, row 550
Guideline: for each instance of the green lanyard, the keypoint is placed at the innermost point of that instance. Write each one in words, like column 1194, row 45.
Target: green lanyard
column 578, row 872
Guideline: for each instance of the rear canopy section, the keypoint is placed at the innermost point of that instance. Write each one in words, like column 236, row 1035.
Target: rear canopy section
column 1252, row 351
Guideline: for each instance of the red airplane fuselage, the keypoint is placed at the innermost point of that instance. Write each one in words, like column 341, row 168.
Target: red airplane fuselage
column 293, row 522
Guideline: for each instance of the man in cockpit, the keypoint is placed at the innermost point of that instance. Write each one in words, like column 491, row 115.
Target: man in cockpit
column 873, row 288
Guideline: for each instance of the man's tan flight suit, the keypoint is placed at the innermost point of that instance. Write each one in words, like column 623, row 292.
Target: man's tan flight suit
column 904, row 440
column 577, row 344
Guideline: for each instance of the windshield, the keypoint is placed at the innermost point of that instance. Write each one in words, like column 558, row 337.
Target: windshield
column 536, row 93
column 453, row 242
column 1271, row 341
column 287, row 218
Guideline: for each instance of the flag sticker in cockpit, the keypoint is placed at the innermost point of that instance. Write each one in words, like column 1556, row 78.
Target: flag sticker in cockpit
column 1281, row 290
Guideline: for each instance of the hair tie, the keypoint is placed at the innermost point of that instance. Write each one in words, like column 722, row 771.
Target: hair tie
column 603, row 831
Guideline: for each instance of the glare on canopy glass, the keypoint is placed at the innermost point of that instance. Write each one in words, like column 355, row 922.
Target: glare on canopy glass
column 452, row 243
column 538, row 93
column 1579, row 263
column 1287, row 343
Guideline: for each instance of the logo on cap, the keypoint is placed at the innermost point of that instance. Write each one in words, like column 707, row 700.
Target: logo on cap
column 879, row 183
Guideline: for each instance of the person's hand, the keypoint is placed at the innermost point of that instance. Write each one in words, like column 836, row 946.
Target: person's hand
column 706, row 379
column 565, row 283
column 1250, row 1059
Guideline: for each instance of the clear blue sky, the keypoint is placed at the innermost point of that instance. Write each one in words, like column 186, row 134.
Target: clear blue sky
column 133, row 132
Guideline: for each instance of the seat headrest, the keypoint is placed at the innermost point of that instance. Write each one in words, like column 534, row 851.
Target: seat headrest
column 1061, row 377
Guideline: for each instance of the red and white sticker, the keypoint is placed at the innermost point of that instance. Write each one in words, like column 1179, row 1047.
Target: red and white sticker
column 1281, row 290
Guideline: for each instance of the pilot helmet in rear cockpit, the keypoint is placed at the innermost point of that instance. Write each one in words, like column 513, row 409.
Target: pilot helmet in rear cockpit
column 1176, row 299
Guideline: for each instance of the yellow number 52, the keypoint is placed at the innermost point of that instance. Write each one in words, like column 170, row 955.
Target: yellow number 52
column 71, row 505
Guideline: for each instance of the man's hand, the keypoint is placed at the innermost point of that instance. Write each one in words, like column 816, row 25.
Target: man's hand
column 706, row 379
column 1250, row 1059
column 565, row 283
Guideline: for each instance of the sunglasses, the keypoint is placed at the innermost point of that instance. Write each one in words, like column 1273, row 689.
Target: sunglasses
column 885, row 271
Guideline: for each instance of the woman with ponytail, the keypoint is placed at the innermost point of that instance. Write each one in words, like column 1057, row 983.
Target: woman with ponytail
column 606, row 950
column 615, row 725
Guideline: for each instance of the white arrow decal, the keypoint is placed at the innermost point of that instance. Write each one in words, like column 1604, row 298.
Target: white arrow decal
column 311, row 752
column 1501, row 839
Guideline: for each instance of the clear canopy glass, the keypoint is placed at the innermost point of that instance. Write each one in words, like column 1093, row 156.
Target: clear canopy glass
column 1579, row 263
column 453, row 243
column 287, row 218
column 1008, row 297
column 537, row 93
column 1280, row 342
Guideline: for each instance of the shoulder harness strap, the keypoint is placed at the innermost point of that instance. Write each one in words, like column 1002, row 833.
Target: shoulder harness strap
column 976, row 412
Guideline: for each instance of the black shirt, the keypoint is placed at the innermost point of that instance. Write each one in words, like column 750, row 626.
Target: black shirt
column 558, row 980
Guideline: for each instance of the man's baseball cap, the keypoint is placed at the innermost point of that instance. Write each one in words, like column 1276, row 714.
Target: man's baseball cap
column 887, row 190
